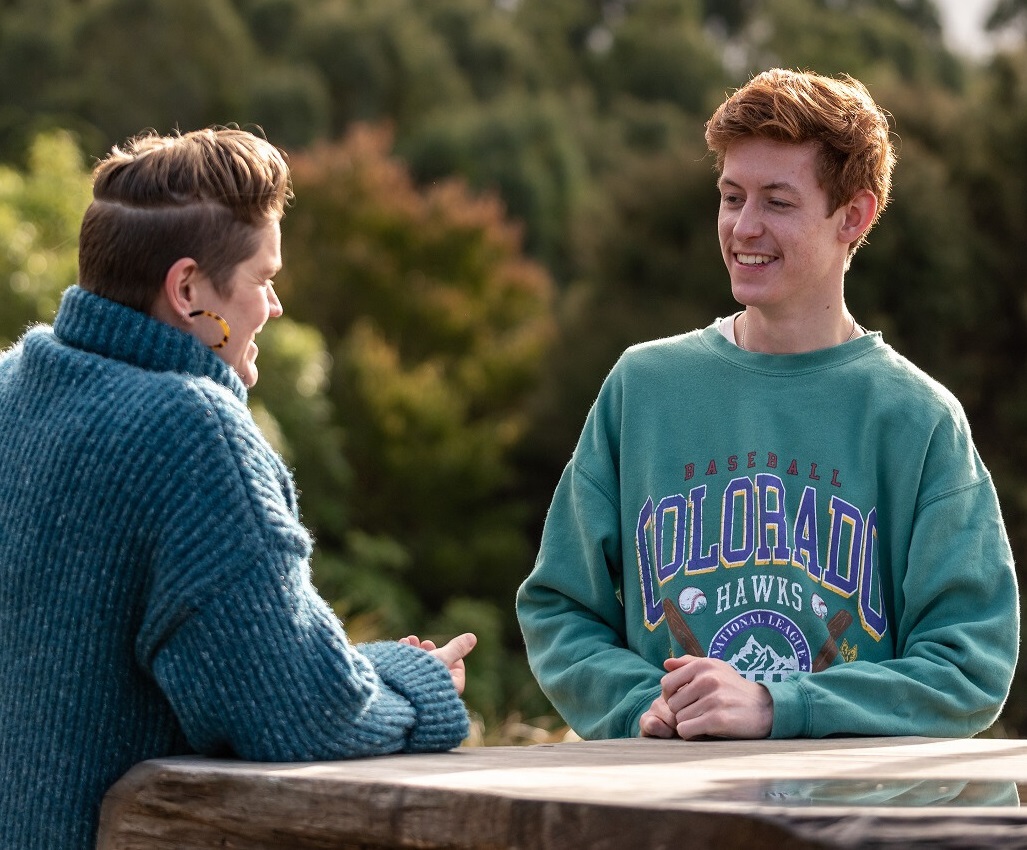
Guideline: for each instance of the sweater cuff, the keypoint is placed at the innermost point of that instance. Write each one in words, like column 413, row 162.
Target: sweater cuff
column 792, row 709
column 426, row 683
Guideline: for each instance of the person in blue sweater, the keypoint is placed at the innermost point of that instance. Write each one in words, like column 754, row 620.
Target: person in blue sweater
column 155, row 591
column 777, row 525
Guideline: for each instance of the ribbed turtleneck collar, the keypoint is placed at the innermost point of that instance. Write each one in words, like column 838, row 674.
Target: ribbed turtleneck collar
column 95, row 324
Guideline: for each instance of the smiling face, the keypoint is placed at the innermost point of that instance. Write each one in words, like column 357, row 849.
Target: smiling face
column 251, row 301
column 783, row 248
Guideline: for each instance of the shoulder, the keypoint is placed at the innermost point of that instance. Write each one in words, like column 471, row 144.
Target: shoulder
column 179, row 420
column 658, row 353
column 216, row 426
column 909, row 388
column 642, row 371
column 170, row 407
column 654, row 361
column 927, row 419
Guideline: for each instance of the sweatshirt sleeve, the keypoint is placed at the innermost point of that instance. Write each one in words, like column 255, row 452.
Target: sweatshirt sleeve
column 571, row 606
column 957, row 635
column 250, row 657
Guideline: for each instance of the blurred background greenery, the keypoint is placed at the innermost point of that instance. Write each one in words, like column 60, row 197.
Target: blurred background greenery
column 494, row 198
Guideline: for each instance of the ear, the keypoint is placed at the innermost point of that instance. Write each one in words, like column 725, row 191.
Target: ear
column 176, row 298
column 859, row 215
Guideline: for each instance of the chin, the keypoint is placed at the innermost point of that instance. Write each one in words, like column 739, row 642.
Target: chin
column 741, row 294
column 247, row 373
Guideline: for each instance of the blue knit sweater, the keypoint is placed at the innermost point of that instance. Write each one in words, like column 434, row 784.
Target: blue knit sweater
column 155, row 596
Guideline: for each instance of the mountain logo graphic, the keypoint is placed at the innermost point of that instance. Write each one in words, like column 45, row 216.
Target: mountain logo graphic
column 763, row 646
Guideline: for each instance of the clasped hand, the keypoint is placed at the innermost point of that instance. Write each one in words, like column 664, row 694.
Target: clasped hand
column 707, row 697
column 451, row 654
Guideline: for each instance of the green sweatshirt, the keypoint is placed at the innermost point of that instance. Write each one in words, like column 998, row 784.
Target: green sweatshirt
column 820, row 521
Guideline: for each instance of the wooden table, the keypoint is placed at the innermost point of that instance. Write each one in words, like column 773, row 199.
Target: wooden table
column 861, row 792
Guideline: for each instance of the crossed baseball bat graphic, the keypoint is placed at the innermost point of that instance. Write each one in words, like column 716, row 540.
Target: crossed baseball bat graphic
column 836, row 626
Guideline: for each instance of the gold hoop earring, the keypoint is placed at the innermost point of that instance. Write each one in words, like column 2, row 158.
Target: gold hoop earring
column 225, row 329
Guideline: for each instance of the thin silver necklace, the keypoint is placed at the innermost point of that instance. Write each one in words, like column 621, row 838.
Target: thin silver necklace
column 745, row 326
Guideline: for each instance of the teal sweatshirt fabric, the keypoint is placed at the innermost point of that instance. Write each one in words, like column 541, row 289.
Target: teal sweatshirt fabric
column 788, row 507
column 155, row 593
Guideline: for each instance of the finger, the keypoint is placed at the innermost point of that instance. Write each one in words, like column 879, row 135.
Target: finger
column 697, row 719
column 410, row 640
column 730, row 717
column 712, row 724
column 676, row 663
column 679, row 678
column 428, row 645
column 690, row 685
column 682, row 699
column 662, row 712
column 652, row 726
column 456, row 649
column 691, row 712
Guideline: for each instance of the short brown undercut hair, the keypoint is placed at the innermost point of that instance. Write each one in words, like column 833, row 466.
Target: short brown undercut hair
column 203, row 194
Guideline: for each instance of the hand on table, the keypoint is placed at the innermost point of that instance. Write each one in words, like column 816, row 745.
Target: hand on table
column 707, row 696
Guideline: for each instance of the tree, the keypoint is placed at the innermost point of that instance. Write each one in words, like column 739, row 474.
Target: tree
column 870, row 39
column 40, row 211
column 438, row 327
column 35, row 53
column 378, row 61
column 164, row 64
column 1008, row 16
column 522, row 148
column 657, row 51
column 493, row 53
column 648, row 263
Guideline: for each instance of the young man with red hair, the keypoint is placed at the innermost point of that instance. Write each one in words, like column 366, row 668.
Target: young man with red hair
column 777, row 525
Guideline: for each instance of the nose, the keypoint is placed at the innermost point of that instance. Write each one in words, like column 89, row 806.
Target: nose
column 748, row 223
column 275, row 303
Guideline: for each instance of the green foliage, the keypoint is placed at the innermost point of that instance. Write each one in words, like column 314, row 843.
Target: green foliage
column 40, row 212
column 290, row 103
column 271, row 22
column 430, row 380
column 189, row 62
column 367, row 580
column 34, row 50
column 658, row 52
column 521, row 146
column 378, row 60
column 437, row 327
column 292, row 404
column 560, row 30
column 495, row 56
column 870, row 39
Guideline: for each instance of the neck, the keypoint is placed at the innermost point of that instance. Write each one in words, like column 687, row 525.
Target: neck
column 757, row 331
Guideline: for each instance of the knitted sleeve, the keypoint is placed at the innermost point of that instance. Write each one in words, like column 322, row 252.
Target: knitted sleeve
column 250, row 657
column 264, row 671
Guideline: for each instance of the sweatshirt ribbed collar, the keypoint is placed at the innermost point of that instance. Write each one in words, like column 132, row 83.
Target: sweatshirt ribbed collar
column 98, row 325
column 790, row 364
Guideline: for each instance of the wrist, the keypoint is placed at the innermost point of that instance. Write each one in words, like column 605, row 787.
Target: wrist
column 765, row 710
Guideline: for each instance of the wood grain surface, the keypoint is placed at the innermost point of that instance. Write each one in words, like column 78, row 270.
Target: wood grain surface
column 642, row 793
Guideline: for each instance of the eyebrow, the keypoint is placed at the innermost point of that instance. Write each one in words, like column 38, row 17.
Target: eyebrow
column 777, row 186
